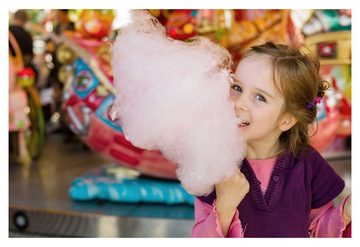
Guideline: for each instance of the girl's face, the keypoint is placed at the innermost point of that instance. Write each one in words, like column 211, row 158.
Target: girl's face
column 258, row 103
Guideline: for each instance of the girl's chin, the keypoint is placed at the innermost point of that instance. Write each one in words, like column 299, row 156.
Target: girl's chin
column 244, row 129
column 244, row 133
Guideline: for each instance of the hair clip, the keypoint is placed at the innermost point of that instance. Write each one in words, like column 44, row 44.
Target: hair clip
column 310, row 105
column 317, row 100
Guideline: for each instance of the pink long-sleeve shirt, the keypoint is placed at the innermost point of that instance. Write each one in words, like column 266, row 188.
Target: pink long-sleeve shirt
column 325, row 221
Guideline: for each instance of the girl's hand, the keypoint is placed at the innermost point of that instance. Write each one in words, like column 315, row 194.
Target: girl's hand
column 229, row 194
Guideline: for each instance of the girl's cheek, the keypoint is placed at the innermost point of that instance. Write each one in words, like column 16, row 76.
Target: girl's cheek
column 257, row 107
column 233, row 96
column 255, row 103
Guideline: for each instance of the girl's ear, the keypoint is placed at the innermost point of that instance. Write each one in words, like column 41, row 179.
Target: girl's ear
column 287, row 121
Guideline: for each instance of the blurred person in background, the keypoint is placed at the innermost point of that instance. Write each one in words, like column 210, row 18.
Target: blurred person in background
column 62, row 23
column 23, row 38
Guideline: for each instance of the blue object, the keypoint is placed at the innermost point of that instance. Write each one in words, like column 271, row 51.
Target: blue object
column 85, row 79
column 100, row 184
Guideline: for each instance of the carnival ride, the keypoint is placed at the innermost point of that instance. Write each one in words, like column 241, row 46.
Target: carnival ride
column 89, row 87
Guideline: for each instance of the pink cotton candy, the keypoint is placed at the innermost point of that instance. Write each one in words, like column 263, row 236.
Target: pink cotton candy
column 173, row 96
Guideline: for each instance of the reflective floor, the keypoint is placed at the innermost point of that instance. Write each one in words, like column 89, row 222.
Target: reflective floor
column 39, row 205
column 38, row 194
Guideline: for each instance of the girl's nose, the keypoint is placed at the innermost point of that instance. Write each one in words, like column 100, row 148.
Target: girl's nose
column 240, row 105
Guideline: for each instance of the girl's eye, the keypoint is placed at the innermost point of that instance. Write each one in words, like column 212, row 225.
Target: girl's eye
column 260, row 98
column 236, row 88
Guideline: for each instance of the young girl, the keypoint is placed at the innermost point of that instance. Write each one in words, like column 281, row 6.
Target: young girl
column 285, row 188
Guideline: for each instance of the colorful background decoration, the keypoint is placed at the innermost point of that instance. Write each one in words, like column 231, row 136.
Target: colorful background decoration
column 88, row 83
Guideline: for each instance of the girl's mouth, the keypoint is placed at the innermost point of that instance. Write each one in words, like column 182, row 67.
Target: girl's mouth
column 244, row 123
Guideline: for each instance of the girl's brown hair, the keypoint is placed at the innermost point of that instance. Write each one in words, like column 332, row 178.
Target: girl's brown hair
column 296, row 75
